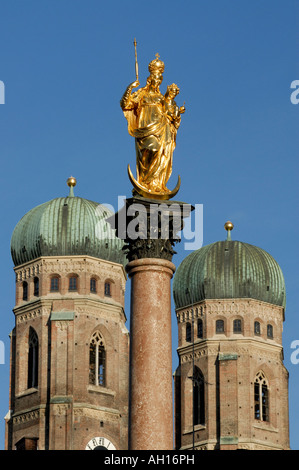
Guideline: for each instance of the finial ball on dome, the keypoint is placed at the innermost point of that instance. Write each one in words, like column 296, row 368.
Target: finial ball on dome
column 71, row 181
column 228, row 225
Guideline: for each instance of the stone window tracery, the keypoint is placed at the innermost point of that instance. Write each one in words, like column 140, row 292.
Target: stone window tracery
column 261, row 397
column 97, row 360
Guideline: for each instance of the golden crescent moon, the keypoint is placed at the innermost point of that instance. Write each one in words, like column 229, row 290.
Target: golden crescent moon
column 150, row 195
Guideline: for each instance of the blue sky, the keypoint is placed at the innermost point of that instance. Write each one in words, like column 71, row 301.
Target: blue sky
column 65, row 65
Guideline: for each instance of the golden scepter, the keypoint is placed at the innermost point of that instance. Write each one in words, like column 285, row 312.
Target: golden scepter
column 136, row 63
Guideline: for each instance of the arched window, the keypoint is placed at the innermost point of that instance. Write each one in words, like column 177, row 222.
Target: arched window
column 97, row 360
column 219, row 326
column 188, row 332
column 25, row 290
column 32, row 359
column 93, row 285
column 54, row 285
column 261, row 397
column 199, row 328
column 270, row 331
column 257, row 328
column 107, row 290
column 237, row 326
column 36, row 287
column 198, row 397
column 73, row 283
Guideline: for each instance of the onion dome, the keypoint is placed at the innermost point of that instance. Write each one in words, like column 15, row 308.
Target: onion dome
column 66, row 226
column 228, row 270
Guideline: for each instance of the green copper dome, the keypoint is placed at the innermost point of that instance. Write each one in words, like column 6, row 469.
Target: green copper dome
column 228, row 270
column 66, row 226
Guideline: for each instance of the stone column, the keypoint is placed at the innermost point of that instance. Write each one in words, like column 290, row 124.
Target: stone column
column 149, row 229
column 151, row 414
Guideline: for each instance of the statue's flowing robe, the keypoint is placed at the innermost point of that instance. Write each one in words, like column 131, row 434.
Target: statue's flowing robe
column 155, row 138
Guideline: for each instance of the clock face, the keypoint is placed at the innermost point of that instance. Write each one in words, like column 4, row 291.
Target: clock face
column 99, row 443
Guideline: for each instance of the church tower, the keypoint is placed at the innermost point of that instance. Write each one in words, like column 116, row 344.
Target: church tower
column 70, row 345
column 231, row 386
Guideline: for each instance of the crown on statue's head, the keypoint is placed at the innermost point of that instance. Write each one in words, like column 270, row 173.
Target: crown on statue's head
column 156, row 65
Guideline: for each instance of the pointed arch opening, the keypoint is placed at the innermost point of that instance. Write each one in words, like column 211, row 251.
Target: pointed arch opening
column 261, row 397
column 32, row 377
column 97, row 360
column 198, row 397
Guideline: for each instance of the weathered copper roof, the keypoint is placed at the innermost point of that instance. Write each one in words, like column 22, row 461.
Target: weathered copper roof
column 227, row 270
column 66, row 226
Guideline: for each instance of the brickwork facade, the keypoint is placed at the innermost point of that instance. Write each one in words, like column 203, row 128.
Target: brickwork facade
column 241, row 385
column 62, row 403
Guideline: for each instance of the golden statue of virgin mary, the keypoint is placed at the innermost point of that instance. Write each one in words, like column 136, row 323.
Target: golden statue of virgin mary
column 153, row 120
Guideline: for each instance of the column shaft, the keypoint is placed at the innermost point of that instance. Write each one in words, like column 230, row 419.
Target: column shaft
column 151, row 413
